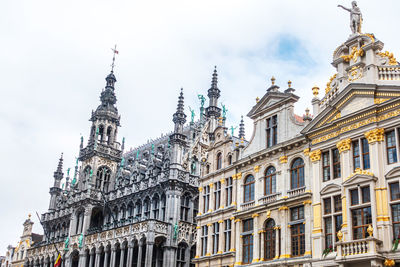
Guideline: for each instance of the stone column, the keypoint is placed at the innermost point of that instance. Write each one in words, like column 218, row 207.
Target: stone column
column 98, row 256
column 82, row 259
column 91, row 259
column 130, row 254
column 122, row 257
column 278, row 241
column 285, row 233
column 238, row 243
column 113, row 254
column 258, row 184
column 212, row 198
column 201, row 201
column 139, row 261
column 221, row 243
column 307, row 227
column 223, row 194
column 256, row 240
column 106, row 256
column 209, row 240
column 262, row 244
column 239, row 188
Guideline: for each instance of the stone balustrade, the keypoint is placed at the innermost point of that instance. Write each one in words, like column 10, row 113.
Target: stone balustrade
column 355, row 248
column 296, row 191
column 247, row 205
column 389, row 73
column 269, row 198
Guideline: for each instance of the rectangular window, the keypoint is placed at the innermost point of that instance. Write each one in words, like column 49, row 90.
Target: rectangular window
column 215, row 237
column 354, row 197
column 228, row 190
column 327, row 206
column 336, row 163
column 247, row 241
column 228, row 234
column 298, row 239
column 366, row 198
column 394, row 191
column 247, row 249
column 362, row 218
column 326, row 166
column 328, row 232
column 338, row 225
column 297, row 213
column 356, row 155
column 338, row 203
column 391, row 147
column 365, row 153
column 204, row 239
column 206, row 198
column 396, row 220
column 272, row 131
column 217, row 195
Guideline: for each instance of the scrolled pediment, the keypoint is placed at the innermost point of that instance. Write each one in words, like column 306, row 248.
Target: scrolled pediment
column 393, row 173
column 330, row 188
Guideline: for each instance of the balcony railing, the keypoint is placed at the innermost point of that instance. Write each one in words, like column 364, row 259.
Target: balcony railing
column 296, row 191
column 247, row 205
column 354, row 248
column 269, row 198
column 389, row 73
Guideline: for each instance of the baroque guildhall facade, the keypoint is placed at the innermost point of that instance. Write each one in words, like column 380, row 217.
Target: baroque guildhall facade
column 311, row 190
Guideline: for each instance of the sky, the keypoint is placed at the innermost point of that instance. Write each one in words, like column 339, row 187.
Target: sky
column 55, row 55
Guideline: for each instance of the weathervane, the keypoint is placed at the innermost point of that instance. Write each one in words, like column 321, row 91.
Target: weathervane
column 115, row 51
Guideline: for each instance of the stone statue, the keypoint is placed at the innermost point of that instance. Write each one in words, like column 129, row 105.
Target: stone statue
column 176, row 228
column 202, row 100
column 66, row 243
column 224, row 110
column 193, row 167
column 355, row 17
column 192, row 114
column 80, row 240
column 233, row 130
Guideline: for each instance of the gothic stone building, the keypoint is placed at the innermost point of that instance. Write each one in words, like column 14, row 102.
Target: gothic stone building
column 127, row 209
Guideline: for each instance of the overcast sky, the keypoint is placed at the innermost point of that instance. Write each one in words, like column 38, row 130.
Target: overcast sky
column 55, row 55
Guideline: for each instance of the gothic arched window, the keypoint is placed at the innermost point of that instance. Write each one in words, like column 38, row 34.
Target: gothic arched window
column 180, row 256
column 297, row 174
column 185, row 207
column 163, row 207
column 249, row 188
column 86, row 177
column 156, row 207
column 219, row 161
column 270, row 181
column 146, row 207
column 270, row 239
column 109, row 131
column 103, row 178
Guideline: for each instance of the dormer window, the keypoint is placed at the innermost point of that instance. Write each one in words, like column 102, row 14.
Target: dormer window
column 272, row 131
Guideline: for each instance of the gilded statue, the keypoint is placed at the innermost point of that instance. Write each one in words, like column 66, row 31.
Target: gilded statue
column 355, row 17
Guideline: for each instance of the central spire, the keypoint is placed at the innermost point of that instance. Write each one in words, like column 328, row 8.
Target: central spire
column 214, row 93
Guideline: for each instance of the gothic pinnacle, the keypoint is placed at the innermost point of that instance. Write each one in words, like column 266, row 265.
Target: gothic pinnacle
column 60, row 163
column 179, row 117
column 241, row 129
column 214, row 81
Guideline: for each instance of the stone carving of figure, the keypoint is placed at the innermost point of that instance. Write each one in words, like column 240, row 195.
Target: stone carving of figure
column 355, row 17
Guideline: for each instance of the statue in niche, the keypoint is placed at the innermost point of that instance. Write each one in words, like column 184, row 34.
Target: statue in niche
column 355, row 17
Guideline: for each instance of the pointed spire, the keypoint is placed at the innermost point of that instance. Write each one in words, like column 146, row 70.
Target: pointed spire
column 58, row 174
column 241, row 129
column 179, row 117
column 60, row 163
column 214, row 81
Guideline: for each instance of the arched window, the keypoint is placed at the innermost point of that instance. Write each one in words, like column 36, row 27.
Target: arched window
column 219, row 161
column 130, row 210
column 249, row 188
column 185, row 202
column 86, row 177
column 122, row 212
column 100, row 137
column 156, row 207
column 163, row 206
column 208, row 169
column 230, row 159
column 180, row 256
column 270, row 239
column 146, row 207
column 297, row 173
column 109, row 130
column 103, row 178
column 270, row 181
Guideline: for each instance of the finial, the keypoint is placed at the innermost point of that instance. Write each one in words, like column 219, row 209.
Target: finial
column 257, row 99
column 273, row 80
column 289, row 83
column 115, row 51
column 214, row 81
column 60, row 163
column 29, row 216
column 315, row 91
column 241, row 129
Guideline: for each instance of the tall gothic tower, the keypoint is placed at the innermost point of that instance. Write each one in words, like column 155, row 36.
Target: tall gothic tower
column 103, row 153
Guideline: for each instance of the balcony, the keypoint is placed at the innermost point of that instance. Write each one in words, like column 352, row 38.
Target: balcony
column 296, row 191
column 268, row 199
column 247, row 205
column 355, row 249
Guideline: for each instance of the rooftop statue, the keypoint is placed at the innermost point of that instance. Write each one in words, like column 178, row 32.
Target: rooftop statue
column 355, row 17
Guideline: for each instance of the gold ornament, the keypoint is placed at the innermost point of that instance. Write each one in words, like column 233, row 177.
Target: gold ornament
column 340, row 235
column 344, row 145
column 375, row 135
column 315, row 155
column 370, row 230
column 315, row 91
column 355, row 53
column 391, row 58
column 283, row 159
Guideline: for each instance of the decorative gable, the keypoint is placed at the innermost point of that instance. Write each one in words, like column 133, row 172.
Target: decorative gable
column 393, row 173
column 330, row 188
column 362, row 177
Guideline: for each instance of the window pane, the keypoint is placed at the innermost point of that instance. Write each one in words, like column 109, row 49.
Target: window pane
column 391, row 147
column 326, row 171
column 338, row 203
column 338, row 225
column 356, row 154
column 365, row 153
column 365, row 194
column 354, row 196
column 336, row 163
column 396, row 220
column 394, row 191
column 327, row 206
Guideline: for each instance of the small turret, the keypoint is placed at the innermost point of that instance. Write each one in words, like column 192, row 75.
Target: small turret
column 241, row 129
column 214, row 93
column 178, row 139
column 56, row 190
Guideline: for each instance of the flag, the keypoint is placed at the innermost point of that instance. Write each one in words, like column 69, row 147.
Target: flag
column 58, row 261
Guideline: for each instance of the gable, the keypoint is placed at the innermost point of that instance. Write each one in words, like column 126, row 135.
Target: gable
column 359, row 178
column 393, row 173
column 269, row 101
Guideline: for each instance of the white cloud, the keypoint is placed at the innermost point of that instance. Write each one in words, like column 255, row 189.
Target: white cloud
column 56, row 54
